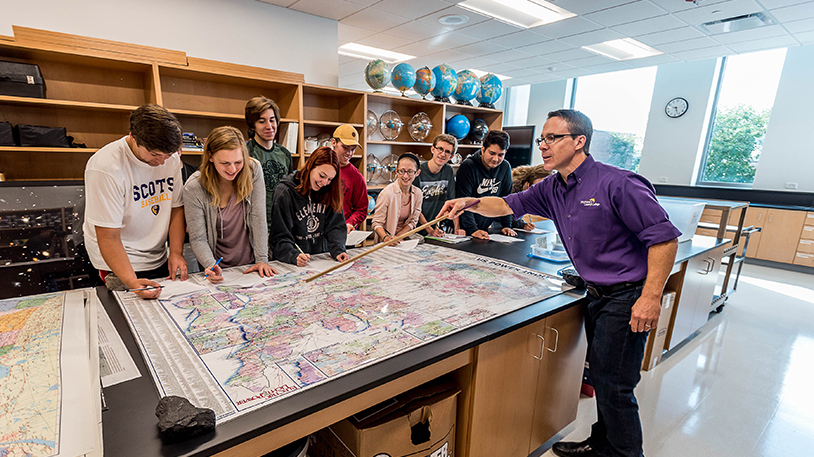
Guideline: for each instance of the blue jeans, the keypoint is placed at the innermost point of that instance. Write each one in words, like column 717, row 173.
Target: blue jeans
column 615, row 357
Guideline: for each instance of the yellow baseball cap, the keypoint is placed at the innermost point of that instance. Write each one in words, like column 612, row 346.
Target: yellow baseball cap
column 347, row 135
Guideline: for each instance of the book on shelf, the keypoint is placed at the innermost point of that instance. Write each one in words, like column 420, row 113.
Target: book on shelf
column 288, row 136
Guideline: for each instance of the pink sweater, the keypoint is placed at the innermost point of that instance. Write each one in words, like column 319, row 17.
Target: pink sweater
column 387, row 208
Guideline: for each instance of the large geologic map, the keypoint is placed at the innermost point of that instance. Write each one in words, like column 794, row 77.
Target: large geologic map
column 30, row 330
column 234, row 349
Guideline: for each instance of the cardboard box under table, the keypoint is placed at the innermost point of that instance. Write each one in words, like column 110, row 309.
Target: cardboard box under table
column 656, row 340
column 418, row 423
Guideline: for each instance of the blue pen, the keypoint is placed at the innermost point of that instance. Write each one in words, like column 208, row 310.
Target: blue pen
column 213, row 266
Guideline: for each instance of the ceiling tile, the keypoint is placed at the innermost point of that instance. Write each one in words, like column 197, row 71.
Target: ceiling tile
column 686, row 45
column 749, row 35
column 446, row 56
column 489, row 29
column 652, row 25
column 519, row 73
column 597, row 36
column 568, row 27
column 670, row 36
column 335, row 9
column 418, row 49
column 623, row 14
column 384, row 41
column 551, row 66
column 717, row 11
column 570, row 54
column 517, row 39
column 805, row 37
column 345, row 59
column 805, row 25
column 706, row 53
column 534, row 62
column 764, row 43
column 500, row 68
column 373, row 19
column 544, row 48
column 480, row 48
column 349, row 33
column 675, row 6
column 414, row 31
column 607, row 67
column 772, row 4
column 582, row 7
column 591, row 61
column 432, row 19
column 448, row 40
column 284, row 3
column 358, row 65
column 652, row 61
column 793, row 13
column 471, row 62
column 413, row 9
column 365, row 2
column 508, row 55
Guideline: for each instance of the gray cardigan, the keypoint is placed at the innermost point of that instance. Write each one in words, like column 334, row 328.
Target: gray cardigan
column 202, row 217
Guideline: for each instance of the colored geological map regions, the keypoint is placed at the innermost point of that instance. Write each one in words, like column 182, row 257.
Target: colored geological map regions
column 279, row 337
column 29, row 374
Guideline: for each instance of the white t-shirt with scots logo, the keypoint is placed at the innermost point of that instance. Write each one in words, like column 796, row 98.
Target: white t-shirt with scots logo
column 123, row 192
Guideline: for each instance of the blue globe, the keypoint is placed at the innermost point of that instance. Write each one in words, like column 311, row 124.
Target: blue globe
column 490, row 90
column 458, row 126
column 371, row 204
column 468, row 87
column 377, row 74
column 446, row 80
column 403, row 77
column 424, row 81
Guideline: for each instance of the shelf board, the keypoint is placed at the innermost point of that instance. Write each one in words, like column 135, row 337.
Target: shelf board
column 213, row 115
column 65, row 104
column 472, row 146
column 375, row 186
column 331, row 123
column 400, row 143
column 36, row 149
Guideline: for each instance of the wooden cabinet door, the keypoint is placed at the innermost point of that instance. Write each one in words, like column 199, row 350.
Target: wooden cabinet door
column 781, row 233
column 754, row 217
column 560, row 379
column 503, row 390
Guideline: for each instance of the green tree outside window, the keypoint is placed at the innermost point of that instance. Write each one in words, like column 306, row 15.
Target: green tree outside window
column 737, row 139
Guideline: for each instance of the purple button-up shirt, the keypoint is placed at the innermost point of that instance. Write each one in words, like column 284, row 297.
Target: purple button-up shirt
column 607, row 218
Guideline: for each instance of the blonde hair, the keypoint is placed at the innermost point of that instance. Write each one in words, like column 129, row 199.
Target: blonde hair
column 219, row 139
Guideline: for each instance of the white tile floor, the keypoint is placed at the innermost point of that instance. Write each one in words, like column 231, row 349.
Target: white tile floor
column 743, row 387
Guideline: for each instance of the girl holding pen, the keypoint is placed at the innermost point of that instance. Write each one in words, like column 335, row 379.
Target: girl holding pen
column 398, row 207
column 307, row 212
column 225, row 207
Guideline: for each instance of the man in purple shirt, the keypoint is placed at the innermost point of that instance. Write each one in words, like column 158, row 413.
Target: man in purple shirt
column 623, row 245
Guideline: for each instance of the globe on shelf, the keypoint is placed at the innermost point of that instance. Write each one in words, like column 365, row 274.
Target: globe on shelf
column 458, row 126
column 389, row 164
column 403, row 77
column 468, row 87
column 490, row 90
column 372, row 124
column 478, row 131
column 374, row 168
column 371, row 204
column 424, row 81
column 390, row 125
column 419, row 126
column 377, row 74
column 446, row 80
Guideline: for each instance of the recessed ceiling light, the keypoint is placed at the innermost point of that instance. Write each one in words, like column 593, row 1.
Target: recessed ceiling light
column 480, row 73
column 453, row 19
column 520, row 13
column 623, row 49
column 361, row 51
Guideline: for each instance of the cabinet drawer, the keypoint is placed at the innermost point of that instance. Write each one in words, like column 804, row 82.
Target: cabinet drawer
column 713, row 216
column 808, row 233
column 801, row 258
column 806, row 247
column 810, row 219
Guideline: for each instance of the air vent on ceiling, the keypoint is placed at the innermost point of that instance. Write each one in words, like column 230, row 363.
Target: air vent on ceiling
column 738, row 23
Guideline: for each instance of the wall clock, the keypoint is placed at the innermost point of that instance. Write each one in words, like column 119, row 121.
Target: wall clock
column 676, row 107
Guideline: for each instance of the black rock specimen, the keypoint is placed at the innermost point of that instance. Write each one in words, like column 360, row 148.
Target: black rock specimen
column 179, row 420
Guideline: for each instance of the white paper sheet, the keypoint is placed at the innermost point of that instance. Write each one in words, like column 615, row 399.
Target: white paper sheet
column 503, row 238
column 357, row 236
column 235, row 277
column 405, row 245
column 537, row 231
column 115, row 363
column 177, row 287
column 320, row 265
column 450, row 238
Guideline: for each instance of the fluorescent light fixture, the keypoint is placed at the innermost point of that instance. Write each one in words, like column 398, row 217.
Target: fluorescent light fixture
column 480, row 74
column 361, row 51
column 736, row 24
column 623, row 49
column 520, row 13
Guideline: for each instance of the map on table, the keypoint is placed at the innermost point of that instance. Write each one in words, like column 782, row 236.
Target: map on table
column 235, row 349
column 30, row 329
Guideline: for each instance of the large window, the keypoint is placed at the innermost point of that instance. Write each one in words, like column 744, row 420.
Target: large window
column 744, row 102
column 618, row 104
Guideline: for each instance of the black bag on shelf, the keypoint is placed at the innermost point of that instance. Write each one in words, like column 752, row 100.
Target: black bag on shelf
column 35, row 135
column 6, row 134
column 21, row 80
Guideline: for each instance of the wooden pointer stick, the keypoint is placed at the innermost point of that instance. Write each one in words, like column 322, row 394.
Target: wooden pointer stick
column 387, row 243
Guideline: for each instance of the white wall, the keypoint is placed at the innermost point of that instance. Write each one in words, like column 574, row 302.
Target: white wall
column 671, row 151
column 788, row 155
column 544, row 97
column 245, row 32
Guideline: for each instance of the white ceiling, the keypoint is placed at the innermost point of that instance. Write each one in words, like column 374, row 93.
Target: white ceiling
column 551, row 52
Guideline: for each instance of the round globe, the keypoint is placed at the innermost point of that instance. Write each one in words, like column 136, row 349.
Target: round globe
column 490, row 90
column 468, row 87
column 403, row 77
column 377, row 74
column 446, row 80
column 424, row 81
column 458, row 126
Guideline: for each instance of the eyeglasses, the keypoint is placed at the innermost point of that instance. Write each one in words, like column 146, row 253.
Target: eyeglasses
column 551, row 138
column 443, row 151
column 406, row 172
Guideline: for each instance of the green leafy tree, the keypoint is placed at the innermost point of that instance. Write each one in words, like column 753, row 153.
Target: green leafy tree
column 622, row 151
column 737, row 139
